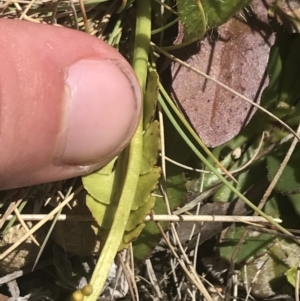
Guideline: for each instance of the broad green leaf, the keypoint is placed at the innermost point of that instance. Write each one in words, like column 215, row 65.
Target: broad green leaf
column 291, row 276
column 193, row 18
column 271, row 208
column 151, row 147
column 103, row 212
column 253, row 245
column 134, row 224
column 289, row 181
column 99, row 184
column 211, row 179
column 104, row 186
column 199, row 15
column 295, row 201
column 282, row 207
column 266, row 276
column 128, row 237
column 138, row 216
column 147, row 240
column 218, row 12
column 283, row 89
column 270, row 269
column 100, row 212
column 150, row 236
column 147, row 183
column 287, row 251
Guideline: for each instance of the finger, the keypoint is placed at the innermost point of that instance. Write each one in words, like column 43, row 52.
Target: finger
column 69, row 103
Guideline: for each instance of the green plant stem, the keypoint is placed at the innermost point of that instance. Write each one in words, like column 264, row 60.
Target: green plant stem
column 158, row 30
column 133, row 163
column 210, row 166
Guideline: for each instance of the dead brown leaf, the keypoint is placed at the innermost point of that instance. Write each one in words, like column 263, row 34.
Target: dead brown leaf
column 237, row 57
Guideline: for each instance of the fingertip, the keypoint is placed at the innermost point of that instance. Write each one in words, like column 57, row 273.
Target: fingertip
column 103, row 109
column 77, row 107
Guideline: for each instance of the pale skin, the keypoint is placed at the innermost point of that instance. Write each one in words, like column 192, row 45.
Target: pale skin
column 69, row 103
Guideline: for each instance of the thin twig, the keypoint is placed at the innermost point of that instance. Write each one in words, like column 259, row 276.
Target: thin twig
column 190, row 275
column 12, row 206
column 85, row 21
column 22, row 222
column 131, row 272
column 37, row 226
column 157, row 217
column 153, row 279
column 27, row 9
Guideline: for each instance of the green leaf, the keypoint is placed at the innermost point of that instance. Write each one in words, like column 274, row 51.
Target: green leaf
column 289, row 181
column 99, row 184
column 99, row 212
column 295, row 201
column 104, row 212
column 251, row 247
column 138, row 216
column 267, row 273
column 134, row 224
column 218, row 12
column 199, row 15
column 151, row 147
column 291, row 275
column 192, row 16
column 146, row 184
column 283, row 89
column 266, row 276
column 130, row 236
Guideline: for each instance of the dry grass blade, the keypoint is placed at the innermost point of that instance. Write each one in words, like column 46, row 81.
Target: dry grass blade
column 38, row 225
column 131, row 272
column 123, row 259
column 22, row 222
column 12, row 206
column 27, row 9
column 153, row 279
column 86, row 24
column 191, row 275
